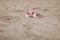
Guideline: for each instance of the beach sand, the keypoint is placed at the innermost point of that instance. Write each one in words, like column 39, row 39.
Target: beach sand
column 15, row 26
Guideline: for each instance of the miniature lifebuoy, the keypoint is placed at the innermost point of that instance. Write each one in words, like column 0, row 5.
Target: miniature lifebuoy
column 30, row 13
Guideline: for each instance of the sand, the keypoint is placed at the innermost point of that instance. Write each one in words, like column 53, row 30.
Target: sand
column 15, row 26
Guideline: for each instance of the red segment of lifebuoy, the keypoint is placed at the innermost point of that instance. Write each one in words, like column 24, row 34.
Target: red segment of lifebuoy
column 27, row 13
column 32, row 13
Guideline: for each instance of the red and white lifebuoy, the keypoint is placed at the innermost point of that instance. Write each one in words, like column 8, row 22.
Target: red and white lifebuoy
column 30, row 13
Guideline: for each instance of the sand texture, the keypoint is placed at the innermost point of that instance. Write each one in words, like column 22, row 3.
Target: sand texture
column 15, row 26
